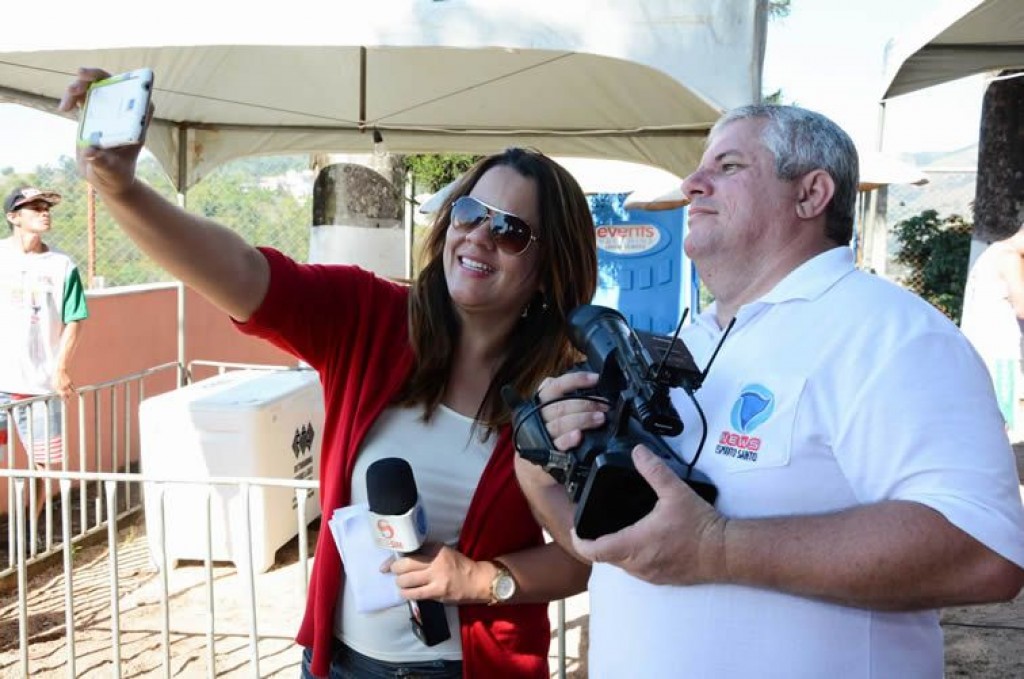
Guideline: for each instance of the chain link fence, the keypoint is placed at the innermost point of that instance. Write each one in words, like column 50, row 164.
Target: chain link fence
column 947, row 192
column 267, row 200
column 911, row 279
column 932, row 263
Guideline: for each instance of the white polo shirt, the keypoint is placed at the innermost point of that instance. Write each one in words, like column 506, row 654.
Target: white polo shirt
column 835, row 389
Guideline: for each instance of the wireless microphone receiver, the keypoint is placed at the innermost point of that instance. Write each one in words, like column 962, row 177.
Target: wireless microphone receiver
column 399, row 523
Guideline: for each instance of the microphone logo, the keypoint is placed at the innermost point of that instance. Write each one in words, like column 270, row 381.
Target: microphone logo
column 384, row 529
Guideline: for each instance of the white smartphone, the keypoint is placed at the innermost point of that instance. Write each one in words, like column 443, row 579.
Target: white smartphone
column 115, row 110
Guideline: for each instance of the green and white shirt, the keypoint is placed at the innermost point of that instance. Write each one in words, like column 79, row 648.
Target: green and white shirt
column 40, row 293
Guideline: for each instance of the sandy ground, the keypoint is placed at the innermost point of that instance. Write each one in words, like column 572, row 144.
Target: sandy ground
column 981, row 641
column 279, row 597
column 140, row 618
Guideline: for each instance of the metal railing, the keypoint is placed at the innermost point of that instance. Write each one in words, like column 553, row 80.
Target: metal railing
column 115, row 402
column 119, row 493
column 221, row 367
column 155, row 488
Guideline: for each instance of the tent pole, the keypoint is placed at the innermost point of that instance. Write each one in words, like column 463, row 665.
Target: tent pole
column 876, row 241
column 181, row 182
column 362, row 87
column 409, row 217
column 859, row 230
column 90, row 226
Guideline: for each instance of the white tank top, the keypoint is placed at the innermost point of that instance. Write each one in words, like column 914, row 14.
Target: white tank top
column 447, row 463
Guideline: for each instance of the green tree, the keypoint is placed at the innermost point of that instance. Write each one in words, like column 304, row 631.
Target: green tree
column 936, row 251
column 434, row 171
column 263, row 212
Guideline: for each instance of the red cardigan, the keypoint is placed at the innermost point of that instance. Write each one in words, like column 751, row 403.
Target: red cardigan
column 352, row 327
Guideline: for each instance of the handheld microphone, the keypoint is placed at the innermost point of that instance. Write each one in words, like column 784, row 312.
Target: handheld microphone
column 399, row 523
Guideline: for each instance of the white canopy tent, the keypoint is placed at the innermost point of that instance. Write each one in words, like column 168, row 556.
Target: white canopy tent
column 640, row 81
column 961, row 38
column 585, row 78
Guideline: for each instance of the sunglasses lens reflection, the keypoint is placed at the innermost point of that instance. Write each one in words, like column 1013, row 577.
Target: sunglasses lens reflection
column 467, row 214
column 510, row 233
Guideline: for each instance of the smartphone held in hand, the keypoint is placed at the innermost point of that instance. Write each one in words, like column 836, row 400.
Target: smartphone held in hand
column 115, row 110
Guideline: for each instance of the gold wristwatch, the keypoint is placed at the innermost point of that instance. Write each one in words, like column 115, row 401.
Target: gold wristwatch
column 503, row 586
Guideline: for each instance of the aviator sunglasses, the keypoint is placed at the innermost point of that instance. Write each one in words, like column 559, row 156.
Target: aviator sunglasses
column 510, row 234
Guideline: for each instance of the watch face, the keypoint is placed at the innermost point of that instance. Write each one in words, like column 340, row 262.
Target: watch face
column 504, row 587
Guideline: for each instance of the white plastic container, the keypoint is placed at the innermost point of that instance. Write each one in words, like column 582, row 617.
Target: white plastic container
column 244, row 423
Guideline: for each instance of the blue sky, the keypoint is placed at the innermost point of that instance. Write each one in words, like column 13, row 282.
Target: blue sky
column 827, row 55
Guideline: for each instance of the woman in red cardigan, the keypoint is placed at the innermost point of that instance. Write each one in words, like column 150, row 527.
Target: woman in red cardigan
column 412, row 372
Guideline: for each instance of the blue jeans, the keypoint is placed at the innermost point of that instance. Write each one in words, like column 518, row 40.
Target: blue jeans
column 45, row 419
column 347, row 664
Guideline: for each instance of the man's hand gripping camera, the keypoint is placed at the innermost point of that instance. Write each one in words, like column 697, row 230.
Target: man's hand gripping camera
column 599, row 475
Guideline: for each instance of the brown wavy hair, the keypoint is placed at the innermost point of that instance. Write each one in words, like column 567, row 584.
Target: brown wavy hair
column 539, row 344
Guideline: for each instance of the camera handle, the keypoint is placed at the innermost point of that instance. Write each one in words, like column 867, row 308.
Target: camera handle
column 530, row 436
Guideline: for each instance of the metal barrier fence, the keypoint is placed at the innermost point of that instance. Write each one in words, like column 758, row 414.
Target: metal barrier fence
column 155, row 487
column 116, row 400
column 220, row 367
column 117, row 495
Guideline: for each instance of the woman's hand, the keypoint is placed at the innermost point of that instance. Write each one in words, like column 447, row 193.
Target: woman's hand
column 442, row 573
column 109, row 171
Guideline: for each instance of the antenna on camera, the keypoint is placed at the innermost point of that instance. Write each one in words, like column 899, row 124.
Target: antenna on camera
column 672, row 345
column 711, row 360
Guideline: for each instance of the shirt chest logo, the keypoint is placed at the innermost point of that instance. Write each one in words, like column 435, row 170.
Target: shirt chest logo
column 752, row 408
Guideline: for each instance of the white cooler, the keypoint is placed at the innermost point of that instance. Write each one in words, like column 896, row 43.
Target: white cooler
column 243, row 423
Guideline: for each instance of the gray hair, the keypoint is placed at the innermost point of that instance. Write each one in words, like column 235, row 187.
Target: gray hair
column 802, row 141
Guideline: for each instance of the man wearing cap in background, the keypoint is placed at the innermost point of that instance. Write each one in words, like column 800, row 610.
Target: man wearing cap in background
column 42, row 304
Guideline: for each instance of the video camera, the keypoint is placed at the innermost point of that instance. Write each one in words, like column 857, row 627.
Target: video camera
column 599, row 474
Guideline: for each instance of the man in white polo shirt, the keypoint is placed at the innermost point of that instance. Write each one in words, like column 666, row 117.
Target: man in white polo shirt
column 864, row 476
